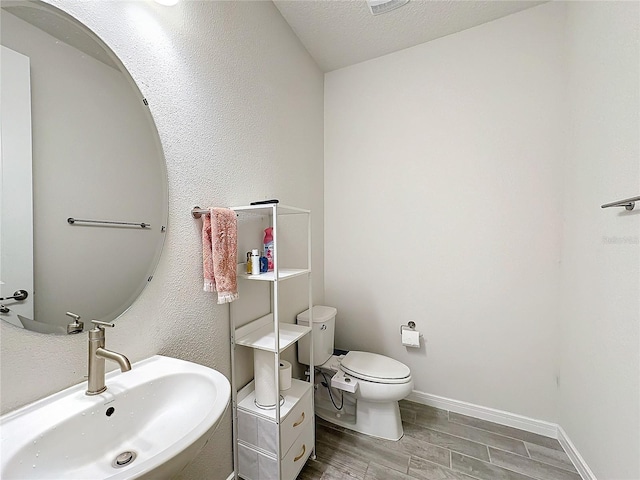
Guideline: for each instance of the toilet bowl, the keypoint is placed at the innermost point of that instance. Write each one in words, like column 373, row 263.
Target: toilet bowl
column 377, row 383
column 369, row 385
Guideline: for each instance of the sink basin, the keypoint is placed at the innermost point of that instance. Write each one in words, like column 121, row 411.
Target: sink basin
column 163, row 411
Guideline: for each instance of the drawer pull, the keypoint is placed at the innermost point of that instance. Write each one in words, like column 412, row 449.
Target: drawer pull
column 299, row 421
column 304, row 450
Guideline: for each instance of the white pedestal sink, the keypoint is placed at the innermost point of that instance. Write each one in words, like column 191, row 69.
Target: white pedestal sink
column 163, row 411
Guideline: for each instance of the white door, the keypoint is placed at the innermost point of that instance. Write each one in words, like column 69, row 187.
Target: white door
column 16, row 198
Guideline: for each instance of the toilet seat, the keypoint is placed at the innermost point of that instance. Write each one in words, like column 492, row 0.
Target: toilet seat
column 375, row 368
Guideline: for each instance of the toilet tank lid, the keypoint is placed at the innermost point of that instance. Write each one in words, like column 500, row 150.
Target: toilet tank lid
column 321, row 314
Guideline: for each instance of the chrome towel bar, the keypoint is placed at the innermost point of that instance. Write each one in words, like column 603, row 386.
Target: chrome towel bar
column 197, row 212
column 19, row 295
column 628, row 203
column 72, row 220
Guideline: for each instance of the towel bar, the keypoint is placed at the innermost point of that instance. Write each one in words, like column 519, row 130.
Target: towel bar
column 628, row 203
column 197, row 212
column 72, row 220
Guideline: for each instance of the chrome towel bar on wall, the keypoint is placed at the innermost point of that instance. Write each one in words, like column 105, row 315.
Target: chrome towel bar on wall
column 197, row 212
column 628, row 203
column 72, row 220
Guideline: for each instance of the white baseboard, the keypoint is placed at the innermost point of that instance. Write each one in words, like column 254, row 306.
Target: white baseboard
column 582, row 467
column 485, row 413
column 540, row 427
column 230, row 477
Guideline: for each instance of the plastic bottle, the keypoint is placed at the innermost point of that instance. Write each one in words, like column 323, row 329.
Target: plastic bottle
column 255, row 262
column 268, row 247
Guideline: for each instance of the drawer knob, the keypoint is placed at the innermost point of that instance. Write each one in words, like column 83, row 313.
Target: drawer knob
column 299, row 421
column 304, row 450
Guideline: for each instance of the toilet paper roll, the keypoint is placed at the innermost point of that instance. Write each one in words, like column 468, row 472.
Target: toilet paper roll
column 410, row 338
column 264, row 376
column 285, row 375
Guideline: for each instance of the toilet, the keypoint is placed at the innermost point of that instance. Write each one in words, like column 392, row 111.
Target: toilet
column 365, row 387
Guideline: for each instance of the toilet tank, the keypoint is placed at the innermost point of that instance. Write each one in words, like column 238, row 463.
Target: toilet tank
column 324, row 322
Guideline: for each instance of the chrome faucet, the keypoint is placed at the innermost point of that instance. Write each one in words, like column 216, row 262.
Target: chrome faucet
column 97, row 356
column 76, row 326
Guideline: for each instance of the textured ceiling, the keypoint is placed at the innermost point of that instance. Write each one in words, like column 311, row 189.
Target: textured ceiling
column 338, row 33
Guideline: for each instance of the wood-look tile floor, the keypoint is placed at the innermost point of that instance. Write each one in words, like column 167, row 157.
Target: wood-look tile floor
column 437, row 445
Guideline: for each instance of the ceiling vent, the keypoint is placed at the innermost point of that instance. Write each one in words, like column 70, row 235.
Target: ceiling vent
column 379, row 7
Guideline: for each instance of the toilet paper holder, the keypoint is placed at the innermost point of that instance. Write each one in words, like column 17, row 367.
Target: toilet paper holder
column 409, row 326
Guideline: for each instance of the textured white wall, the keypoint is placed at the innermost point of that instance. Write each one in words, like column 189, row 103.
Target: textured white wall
column 443, row 167
column 599, row 405
column 238, row 105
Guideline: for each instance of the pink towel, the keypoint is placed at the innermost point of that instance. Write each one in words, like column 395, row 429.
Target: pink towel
column 219, row 253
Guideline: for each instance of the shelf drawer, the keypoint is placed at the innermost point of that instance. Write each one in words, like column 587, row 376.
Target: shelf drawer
column 263, row 433
column 296, row 422
column 257, row 465
column 257, row 431
column 293, row 462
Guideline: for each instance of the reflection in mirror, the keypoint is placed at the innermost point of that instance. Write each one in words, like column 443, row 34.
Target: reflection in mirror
column 77, row 141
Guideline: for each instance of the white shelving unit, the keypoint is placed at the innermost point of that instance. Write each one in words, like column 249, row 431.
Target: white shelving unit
column 273, row 443
column 283, row 274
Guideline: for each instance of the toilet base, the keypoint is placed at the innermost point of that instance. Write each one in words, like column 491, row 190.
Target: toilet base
column 380, row 420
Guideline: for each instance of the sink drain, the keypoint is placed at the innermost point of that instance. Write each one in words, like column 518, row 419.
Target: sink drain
column 125, row 458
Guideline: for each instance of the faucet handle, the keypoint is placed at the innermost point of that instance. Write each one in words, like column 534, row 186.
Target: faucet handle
column 99, row 324
column 76, row 326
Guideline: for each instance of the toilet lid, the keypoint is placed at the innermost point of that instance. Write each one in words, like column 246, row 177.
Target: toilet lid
column 375, row 368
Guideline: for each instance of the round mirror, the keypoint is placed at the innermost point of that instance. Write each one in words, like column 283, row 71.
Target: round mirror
column 84, row 197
